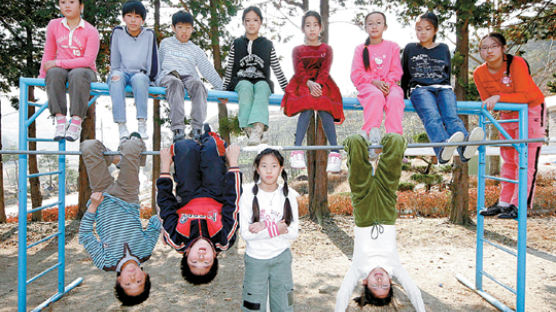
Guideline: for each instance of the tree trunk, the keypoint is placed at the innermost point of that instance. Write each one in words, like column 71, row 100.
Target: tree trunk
column 324, row 12
column 459, row 212
column 318, row 178
column 35, row 184
column 156, row 119
column 494, row 160
column 217, row 60
column 87, row 133
column 305, row 5
column 2, row 206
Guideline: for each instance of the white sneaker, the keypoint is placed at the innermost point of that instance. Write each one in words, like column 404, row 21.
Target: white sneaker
column 297, row 160
column 374, row 139
column 60, row 130
column 448, row 151
column 142, row 128
column 334, row 162
column 122, row 128
column 74, row 129
column 477, row 134
column 256, row 134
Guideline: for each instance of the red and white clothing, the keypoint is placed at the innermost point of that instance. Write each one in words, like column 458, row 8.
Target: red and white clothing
column 385, row 65
column 313, row 63
column 267, row 244
column 70, row 48
column 517, row 87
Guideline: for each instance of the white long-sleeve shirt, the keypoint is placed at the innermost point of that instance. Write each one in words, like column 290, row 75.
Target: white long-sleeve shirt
column 370, row 253
column 271, row 206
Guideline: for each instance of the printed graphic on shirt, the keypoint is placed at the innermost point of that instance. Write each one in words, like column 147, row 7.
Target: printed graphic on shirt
column 425, row 67
column 251, row 67
column 270, row 215
column 379, row 60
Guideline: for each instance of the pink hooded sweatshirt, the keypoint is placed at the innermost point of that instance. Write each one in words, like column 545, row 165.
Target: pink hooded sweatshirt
column 384, row 60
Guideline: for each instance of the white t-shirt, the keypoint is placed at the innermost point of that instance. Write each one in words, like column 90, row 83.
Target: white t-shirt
column 271, row 206
column 369, row 253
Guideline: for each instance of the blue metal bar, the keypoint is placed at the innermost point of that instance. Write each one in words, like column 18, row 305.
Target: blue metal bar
column 508, row 288
column 22, row 198
column 501, row 179
column 43, row 240
column 43, row 273
column 58, row 295
column 511, row 252
column 498, row 126
column 36, row 114
column 62, row 216
column 499, row 305
column 43, row 207
column 40, row 140
column 503, row 121
column 93, row 99
column 34, row 104
column 480, row 205
column 522, row 209
column 35, row 175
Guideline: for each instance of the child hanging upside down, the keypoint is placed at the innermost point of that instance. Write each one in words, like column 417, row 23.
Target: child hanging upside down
column 123, row 244
column 375, row 257
column 201, row 218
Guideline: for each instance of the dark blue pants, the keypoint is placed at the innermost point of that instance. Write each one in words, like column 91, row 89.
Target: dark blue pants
column 199, row 170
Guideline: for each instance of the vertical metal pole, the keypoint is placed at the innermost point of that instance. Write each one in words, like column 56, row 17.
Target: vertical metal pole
column 522, row 209
column 480, row 218
column 22, row 198
column 62, row 217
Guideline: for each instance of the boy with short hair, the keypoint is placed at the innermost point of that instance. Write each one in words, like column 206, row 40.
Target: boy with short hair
column 122, row 244
column 201, row 218
column 179, row 60
column 133, row 61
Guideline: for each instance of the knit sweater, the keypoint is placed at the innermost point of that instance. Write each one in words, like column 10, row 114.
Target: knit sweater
column 186, row 58
column 70, row 48
column 267, row 243
column 117, row 224
column 131, row 54
column 517, row 87
column 251, row 60
column 384, row 61
column 369, row 253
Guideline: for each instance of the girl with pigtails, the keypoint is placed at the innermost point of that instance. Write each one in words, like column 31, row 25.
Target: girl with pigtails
column 268, row 224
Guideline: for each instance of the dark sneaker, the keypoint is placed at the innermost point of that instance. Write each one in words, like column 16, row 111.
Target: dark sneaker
column 178, row 135
column 492, row 210
column 195, row 134
column 508, row 213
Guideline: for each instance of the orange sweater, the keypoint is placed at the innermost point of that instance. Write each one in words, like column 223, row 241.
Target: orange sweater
column 519, row 88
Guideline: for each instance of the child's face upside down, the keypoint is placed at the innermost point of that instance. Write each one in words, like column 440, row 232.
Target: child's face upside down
column 200, row 257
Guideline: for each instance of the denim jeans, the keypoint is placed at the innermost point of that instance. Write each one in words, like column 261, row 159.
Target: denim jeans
column 437, row 109
column 139, row 84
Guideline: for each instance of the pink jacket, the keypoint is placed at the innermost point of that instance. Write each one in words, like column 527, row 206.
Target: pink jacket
column 384, row 60
column 70, row 49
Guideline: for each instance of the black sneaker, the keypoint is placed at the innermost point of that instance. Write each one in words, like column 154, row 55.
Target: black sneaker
column 492, row 210
column 178, row 135
column 509, row 213
column 195, row 134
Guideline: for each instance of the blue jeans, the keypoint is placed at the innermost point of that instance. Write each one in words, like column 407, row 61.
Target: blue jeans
column 139, row 84
column 437, row 109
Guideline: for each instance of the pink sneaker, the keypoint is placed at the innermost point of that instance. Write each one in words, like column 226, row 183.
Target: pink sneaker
column 297, row 160
column 334, row 162
column 74, row 130
column 60, row 132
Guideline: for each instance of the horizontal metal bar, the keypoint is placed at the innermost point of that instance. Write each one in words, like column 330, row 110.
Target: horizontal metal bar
column 499, row 283
column 502, row 121
column 34, row 104
column 43, row 273
column 34, row 175
column 501, row 179
column 40, row 140
column 43, row 240
column 293, row 148
column 58, row 295
column 511, row 252
column 43, row 207
column 499, row 305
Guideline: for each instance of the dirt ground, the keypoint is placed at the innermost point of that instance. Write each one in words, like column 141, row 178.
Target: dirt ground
column 432, row 250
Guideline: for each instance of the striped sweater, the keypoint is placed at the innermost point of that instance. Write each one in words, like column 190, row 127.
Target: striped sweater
column 250, row 60
column 117, row 224
column 186, row 58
